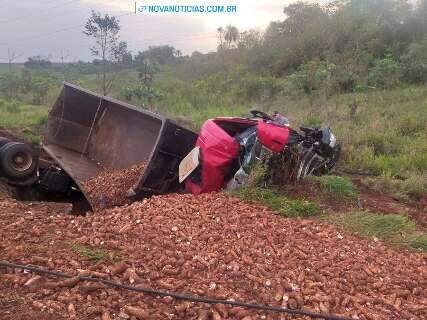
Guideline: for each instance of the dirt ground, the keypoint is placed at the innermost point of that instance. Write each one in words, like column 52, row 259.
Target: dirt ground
column 211, row 245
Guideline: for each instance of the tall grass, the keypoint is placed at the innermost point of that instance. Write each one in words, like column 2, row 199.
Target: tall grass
column 14, row 114
column 386, row 138
column 392, row 228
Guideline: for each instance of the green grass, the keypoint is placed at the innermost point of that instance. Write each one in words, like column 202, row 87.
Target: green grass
column 14, row 114
column 4, row 67
column 413, row 187
column 277, row 202
column 92, row 254
column 340, row 186
column 394, row 229
column 387, row 138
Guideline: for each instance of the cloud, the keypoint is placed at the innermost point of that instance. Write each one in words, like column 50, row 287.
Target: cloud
column 29, row 28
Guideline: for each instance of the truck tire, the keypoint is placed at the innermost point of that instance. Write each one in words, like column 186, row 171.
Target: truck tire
column 17, row 160
column 4, row 141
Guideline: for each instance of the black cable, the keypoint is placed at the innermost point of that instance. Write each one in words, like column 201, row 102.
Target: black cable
column 176, row 295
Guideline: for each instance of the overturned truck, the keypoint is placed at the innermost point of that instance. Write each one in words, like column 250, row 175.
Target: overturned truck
column 110, row 153
column 91, row 137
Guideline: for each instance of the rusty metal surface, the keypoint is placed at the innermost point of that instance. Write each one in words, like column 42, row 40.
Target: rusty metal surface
column 87, row 132
column 76, row 165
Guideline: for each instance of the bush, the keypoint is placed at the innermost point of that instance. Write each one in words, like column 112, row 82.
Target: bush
column 414, row 63
column 144, row 94
column 385, row 73
column 309, row 77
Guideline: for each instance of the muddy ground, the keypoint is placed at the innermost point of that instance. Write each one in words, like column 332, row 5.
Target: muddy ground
column 212, row 245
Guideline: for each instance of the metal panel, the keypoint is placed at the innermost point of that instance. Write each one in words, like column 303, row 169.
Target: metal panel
column 87, row 132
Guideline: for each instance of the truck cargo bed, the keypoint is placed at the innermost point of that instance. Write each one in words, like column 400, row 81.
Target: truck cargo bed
column 87, row 133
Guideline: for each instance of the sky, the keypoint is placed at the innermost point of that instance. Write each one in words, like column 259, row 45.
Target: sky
column 53, row 28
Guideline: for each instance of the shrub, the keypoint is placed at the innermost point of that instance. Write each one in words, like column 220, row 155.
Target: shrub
column 414, row 63
column 385, row 73
column 310, row 76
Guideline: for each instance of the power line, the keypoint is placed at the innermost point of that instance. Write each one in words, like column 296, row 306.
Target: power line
column 176, row 295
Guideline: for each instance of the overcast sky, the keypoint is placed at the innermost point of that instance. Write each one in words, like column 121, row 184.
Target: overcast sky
column 49, row 27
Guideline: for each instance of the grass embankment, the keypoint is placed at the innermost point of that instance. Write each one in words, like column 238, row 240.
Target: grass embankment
column 24, row 120
column 387, row 137
column 393, row 229
column 384, row 135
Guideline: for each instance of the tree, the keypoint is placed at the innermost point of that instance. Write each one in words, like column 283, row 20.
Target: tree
column 105, row 30
column 221, row 41
column 38, row 62
column 414, row 63
column 231, row 36
column 249, row 39
column 158, row 55
column 385, row 73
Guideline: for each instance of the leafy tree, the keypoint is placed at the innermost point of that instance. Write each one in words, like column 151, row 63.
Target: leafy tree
column 231, row 36
column 249, row 39
column 158, row 55
column 221, row 38
column 38, row 62
column 105, row 30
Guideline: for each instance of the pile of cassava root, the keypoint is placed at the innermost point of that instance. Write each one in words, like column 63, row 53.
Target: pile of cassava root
column 110, row 187
column 211, row 245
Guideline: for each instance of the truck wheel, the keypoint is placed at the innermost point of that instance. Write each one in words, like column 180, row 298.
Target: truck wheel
column 17, row 160
column 3, row 141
